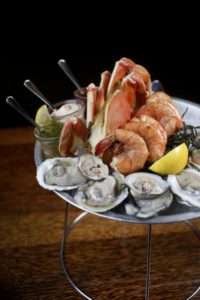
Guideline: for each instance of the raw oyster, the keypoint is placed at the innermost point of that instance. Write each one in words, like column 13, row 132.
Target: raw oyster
column 194, row 160
column 60, row 174
column 187, row 186
column 92, row 167
column 146, row 185
column 100, row 196
column 148, row 208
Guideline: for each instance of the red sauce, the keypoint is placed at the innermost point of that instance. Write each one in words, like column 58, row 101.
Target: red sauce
column 81, row 94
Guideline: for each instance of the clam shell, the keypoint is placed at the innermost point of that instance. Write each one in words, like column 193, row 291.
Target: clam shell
column 60, row 174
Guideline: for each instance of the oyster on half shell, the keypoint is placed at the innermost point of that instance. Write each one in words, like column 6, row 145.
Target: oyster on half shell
column 146, row 185
column 100, row 196
column 92, row 167
column 149, row 207
column 186, row 185
column 60, row 174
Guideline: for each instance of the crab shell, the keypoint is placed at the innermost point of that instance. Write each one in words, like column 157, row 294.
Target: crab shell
column 113, row 103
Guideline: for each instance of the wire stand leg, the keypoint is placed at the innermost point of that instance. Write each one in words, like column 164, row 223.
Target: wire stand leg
column 67, row 228
column 148, row 269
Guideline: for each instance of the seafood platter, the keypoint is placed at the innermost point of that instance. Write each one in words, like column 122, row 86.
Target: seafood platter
column 106, row 160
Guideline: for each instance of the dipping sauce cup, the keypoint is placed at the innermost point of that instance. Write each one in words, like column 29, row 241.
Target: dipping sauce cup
column 50, row 135
column 81, row 94
column 68, row 109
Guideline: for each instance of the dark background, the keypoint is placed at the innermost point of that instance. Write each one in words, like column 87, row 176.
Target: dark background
column 167, row 46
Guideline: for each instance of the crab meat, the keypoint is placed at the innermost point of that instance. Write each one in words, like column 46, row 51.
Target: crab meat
column 73, row 135
column 113, row 104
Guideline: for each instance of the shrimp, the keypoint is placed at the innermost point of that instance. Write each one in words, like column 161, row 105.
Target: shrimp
column 134, row 155
column 152, row 132
column 159, row 96
column 165, row 113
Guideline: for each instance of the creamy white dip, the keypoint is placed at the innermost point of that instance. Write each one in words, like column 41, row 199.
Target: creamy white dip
column 66, row 109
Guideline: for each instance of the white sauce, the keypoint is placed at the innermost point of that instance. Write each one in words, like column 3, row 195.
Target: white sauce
column 66, row 109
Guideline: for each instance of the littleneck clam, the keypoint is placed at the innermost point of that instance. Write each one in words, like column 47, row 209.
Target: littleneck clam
column 100, row 196
column 186, row 185
column 92, row 167
column 60, row 174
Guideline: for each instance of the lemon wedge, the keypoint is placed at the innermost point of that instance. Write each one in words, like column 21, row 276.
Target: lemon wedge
column 42, row 115
column 173, row 162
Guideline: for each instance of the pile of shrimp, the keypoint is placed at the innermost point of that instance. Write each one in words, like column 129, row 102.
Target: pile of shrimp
column 144, row 137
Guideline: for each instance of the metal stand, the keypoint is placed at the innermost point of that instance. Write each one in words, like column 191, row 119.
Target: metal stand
column 67, row 229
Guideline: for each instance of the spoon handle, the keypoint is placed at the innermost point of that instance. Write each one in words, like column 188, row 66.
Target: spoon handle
column 13, row 102
column 66, row 69
column 32, row 87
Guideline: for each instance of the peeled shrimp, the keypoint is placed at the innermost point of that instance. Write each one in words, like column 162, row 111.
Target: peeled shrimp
column 159, row 96
column 134, row 155
column 152, row 132
column 165, row 113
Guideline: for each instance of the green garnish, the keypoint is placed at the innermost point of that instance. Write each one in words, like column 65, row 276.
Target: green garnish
column 188, row 134
column 51, row 129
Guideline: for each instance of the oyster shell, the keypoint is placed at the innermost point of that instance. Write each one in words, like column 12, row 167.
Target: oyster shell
column 59, row 174
column 148, row 208
column 187, row 186
column 194, row 160
column 146, row 185
column 92, row 167
column 100, row 196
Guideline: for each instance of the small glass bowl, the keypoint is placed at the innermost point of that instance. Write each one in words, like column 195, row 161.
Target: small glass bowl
column 81, row 94
column 49, row 145
column 78, row 113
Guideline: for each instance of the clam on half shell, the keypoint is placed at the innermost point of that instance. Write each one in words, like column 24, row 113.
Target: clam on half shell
column 60, row 174
column 186, row 185
column 101, row 196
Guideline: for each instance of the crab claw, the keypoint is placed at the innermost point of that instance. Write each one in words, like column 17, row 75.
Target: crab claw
column 73, row 134
column 121, row 68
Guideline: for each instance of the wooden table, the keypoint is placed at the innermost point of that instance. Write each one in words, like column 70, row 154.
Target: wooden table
column 107, row 258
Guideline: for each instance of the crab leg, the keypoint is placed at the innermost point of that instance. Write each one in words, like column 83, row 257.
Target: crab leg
column 91, row 103
column 105, row 78
column 122, row 67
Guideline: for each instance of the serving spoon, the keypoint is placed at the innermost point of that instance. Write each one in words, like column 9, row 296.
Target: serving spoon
column 32, row 87
column 15, row 104
column 66, row 69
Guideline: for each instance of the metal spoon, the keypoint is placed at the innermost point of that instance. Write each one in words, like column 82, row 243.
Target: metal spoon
column 66, row 69
column 32, row 87
column 15, row 104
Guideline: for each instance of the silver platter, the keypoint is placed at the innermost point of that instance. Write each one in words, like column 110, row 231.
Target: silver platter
column 175, row 213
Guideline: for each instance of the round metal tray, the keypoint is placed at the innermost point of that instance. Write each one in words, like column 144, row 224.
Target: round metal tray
column 175, row 213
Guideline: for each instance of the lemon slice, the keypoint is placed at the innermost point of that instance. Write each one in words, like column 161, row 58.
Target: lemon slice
column 42, row 116
column 173, row 162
